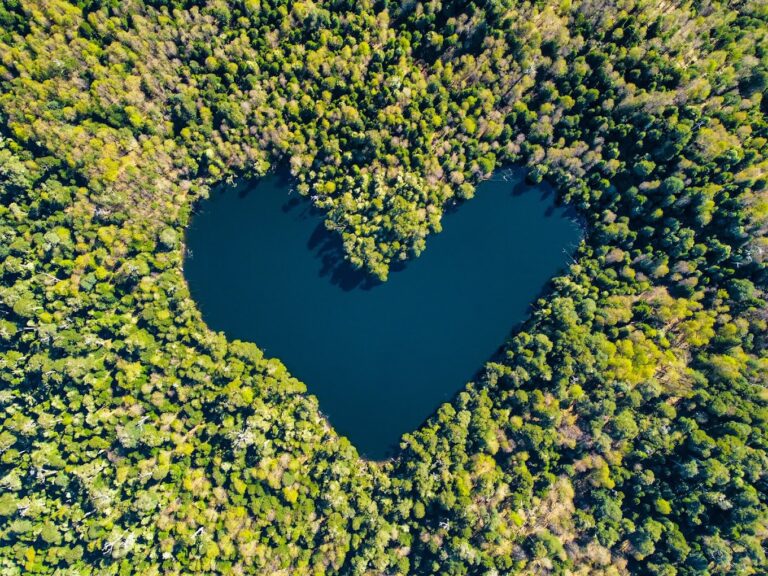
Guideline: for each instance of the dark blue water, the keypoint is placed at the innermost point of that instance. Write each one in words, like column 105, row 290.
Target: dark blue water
column 379, row 357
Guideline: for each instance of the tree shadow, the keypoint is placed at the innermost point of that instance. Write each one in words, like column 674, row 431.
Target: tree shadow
column 516, row 177
column 301, row 208
column 328, row 248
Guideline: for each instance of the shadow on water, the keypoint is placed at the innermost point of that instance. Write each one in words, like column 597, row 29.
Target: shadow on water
column 269, row 271
column 326, row 245
column 328, row 248
column 300, row 208
column 519, row 185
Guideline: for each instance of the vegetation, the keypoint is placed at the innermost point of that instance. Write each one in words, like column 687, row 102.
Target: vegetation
column 622, row 431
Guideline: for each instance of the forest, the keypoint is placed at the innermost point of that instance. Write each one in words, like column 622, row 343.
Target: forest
column 622, row 430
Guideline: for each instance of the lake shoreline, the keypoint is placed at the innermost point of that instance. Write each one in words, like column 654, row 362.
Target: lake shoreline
column 379, row 357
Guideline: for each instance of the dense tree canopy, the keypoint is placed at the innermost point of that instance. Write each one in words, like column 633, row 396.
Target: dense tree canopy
column 622, row 430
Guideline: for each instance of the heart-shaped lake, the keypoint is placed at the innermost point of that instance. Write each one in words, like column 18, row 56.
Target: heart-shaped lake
column 379, row 357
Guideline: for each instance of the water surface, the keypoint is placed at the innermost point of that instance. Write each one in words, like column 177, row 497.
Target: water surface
column 379, row 357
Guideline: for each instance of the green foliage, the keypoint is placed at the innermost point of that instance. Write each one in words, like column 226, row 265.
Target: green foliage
column 621, row 430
